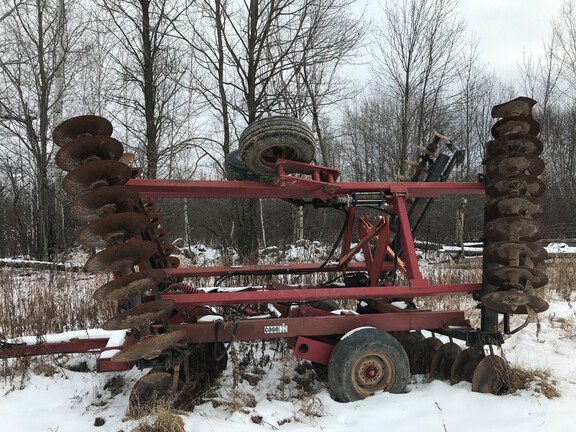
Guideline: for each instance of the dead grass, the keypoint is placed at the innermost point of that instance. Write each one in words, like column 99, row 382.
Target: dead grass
column 540, row 381
column 562, row 275
column 161, row 420
column 39, row 303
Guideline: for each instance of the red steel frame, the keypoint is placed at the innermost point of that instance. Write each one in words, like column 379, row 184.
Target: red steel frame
column 305, row 326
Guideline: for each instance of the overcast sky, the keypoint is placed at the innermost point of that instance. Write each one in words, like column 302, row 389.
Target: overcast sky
column 507, row 28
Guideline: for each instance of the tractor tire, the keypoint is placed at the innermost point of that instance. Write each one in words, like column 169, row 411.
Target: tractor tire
column 365, row 362
column 235, row 168
column 269, row 138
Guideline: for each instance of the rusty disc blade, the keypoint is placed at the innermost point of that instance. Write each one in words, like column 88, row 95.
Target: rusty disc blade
column 491, row 375
column 121, row 257
column 515, row 205
column 141, row 316
column 514, row 228
column 515, row 163
column 412, row 344
column 69, row 130
column 515, row 124
column 126, row 158
column 515, row 277
column 167, row 248
column 155, row 220
column 521, row 184
column 173, row 262
column 149, row 346
column 133, row 283
column 105, row 201
column 513, row 302
column 515, row 142
column 161, row 233
column 442, row 362
column 88, row 149
column 515, row 253
column 136, row 172
column 521, row 106
column 112, row 229
column 95, row 175
column 429, row 347
column 465, row 365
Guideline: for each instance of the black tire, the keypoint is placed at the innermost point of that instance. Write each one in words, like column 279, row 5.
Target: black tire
column 266, row 139
column 235, row 169
column 364, row 353
column 325, row 305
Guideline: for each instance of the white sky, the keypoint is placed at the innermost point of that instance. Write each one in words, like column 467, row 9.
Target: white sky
column 508, row 28
column 505, row 29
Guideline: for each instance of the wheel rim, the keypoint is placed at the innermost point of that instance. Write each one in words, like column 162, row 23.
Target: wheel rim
column 269, row 156
column 373, row 373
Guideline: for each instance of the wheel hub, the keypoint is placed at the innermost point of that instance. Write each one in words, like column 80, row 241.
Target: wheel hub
column 373, row 374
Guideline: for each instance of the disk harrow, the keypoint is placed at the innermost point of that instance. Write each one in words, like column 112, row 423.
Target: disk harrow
column 511, row 277
column 182, row 331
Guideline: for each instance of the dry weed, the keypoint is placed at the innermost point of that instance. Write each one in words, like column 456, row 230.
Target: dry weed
column 39, row 303
column 539, row 380
column 161, row 420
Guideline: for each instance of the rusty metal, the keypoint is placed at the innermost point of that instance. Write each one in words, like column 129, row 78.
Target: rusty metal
column 441, row 365
column 430, row 346
column 112, row 229
column 141, row 316
column 149, row 346
column 133, row 283
column 514, row 302
column 121, row 257
column 492, row 375
column 516, row 276
column 521, row 106
column 515, row 163
column 95, row 175
column 88, row 149
column 465, row 364
column 515, row 253
column 515, row 205
column 104, row 201
column 515, row 124
column 515, row 142
column 515, row 183
column 514, row 228
column 70, row 130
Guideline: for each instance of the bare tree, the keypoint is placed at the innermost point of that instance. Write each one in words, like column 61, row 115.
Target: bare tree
column 36, row 46
column 151, row 77
column 418, row 50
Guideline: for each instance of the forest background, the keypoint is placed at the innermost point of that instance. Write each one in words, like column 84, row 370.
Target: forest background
column 180, row 80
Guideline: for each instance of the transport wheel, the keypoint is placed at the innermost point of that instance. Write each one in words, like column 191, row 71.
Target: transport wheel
column 365, row 362
column 235, row 168
column 266, row 139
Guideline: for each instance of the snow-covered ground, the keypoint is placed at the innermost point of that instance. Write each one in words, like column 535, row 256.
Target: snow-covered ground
column 71, row 401
column 51, row 397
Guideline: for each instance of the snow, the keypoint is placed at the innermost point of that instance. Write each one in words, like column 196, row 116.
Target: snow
column 117, row 336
